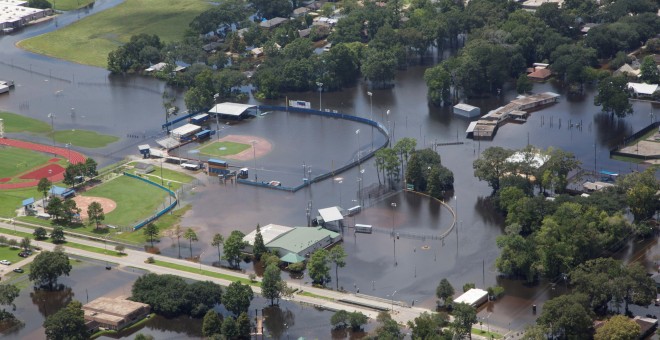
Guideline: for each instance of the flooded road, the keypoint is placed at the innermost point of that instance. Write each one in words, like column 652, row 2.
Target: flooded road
column 83, row 97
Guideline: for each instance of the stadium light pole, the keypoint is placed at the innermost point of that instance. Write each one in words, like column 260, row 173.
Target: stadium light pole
column 393, row 204
column 254, row 155
column 371, row 115
column 52, row 126
column 320, row 85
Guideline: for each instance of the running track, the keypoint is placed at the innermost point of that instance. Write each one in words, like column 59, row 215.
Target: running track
column 73, row 157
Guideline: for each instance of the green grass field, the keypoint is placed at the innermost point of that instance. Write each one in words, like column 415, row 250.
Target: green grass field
column 221, row 149
column 83, row 138
column 18, row 123
column 175, row 177
column 10, row 200
column 68, row 5
column 135, row 200
column 89, row 40
column 6, row 253
column 206, row 273
column 16, row 161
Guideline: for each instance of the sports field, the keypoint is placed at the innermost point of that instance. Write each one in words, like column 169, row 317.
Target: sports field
column 16, row 161
column 89, row 40
column 135, row 200
column 221, row 149
column 10, row 200
column 18, row 123
column 83, row 138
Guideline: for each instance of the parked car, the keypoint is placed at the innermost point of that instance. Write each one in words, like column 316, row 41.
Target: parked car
column 25, row 253
column 18, row 270
column 5, row 262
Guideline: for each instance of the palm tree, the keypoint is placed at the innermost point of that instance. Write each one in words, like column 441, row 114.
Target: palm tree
column 218, row 240
column 151, row 232
column 191, row 236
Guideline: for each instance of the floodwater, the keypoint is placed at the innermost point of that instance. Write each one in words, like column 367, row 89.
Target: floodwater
column 88, row 98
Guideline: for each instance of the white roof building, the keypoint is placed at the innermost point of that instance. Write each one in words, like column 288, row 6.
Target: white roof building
column 331, row 214
column 473, row 297
column 13, row 16
column 643, row 89
column 231, row 109
column 185, row 131
column 537, row 160
column 269, row 233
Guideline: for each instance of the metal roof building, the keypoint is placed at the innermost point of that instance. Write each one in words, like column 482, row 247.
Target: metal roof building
column 185, row 131
column 269, row 233
column 473, row 297
column 229, row 110
column 304, row 240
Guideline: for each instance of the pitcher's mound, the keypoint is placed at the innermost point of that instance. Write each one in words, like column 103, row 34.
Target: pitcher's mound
column 83, row 203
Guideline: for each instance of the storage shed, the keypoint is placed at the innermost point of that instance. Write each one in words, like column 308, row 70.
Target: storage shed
column 466, row 110
column 474, row 297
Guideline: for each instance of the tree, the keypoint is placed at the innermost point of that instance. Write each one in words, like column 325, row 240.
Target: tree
column 229, row 329
column 339, row 319
column 438, row 82
column 202, row 296
column 218, row 240
column 243, row 326
column 271, row 284
column 405, row 147
column 41, row 4
column 464, row 317
column 40, row 233
column 444, row 291
column 90, row 168
column 151, row 232
column 388, row 328
column 232, row 248
column 170, row 295
column 178, row 233
column 337, row 255
column 95, row 213
column 212, row 324
column 191, row 236
column 649, row 71
column 141, row 336
column 492, row 165
column 47, row 267
column 356, row 320
column 318, row 267
column 618, row 327
column 428, row 326
column 69, row 210
column 379, row 67
column 8, row 293
column 25, row 243
column 566, row 315
column 613, row 96
column 238, row 297
column 68, row 323
column 273, row 8
column 259, row 247
column 57, row 235
column 44, row 186
column 523, row 84
column 120, row 248
column 55, row 208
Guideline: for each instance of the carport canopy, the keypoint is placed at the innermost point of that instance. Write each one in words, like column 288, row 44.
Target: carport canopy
column 231, row 109
column 331, row 214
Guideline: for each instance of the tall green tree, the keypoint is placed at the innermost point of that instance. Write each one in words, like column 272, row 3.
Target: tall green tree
column 492, row 165
column 47, row 267
column 429, row 326
column 68, row 323
column 337, row 255
column 191, row 236
column 55, row 208
column 8, row 293
column 40, row 233
column 151, row 231
column 232, row 248
column 229, row 328
column 318, row 268
column 212, row 325
column 218, row 240
column 613, row 96
column 388, row 328
column 405, row 147
column 44, row 186
column 237, row 298
column 523, row 84
column 566, row 316
column 464, row 317
column 444, row 291
column 243, row 326
column 90, row 168
column 95, row 213
column 618, row 327
column 438, row 82
column 25, row 243
column 271, row 284
column 259, row 247
column 57, row 235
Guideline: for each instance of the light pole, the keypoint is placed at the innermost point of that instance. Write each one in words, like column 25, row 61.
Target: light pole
column 357, row 133
column 371, row 115
column 52, row 126
column 254, row 155
column 320, row 85
column 200, row 261
column 389, row 129
column 392, row 298
column 339, row 180
column 393, row 205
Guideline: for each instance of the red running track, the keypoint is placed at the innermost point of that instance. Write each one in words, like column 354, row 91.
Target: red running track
column 74, row 157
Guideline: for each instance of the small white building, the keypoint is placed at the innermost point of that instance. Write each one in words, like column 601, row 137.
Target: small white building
column 474, row 297
column 466, row 110
column 640, row 89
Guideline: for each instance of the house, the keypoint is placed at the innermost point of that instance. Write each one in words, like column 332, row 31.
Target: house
column 155, row 68
column 466, row 110
column 304, row 33
column 257, row 52
column 533, row 5
column 540, row 74
column 642, row 90
column 300, row 11
column 628, row 71
column 114, row 314
column 211, row 47
column 272, row 23
column 588, row 26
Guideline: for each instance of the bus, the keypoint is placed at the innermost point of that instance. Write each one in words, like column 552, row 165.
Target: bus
column 363, row 228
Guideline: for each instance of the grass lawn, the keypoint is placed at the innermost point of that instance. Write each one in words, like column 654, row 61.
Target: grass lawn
column 220, row 149
column 10, row 200
column 206, row 273
column 168, row 175
column 67, row 5
column 18, row 123
column 16, row 160
column 164, row 223
column 89, row 40
column 6, row 253
column 485, row 333
column 110, row 251
column 316, row 296
column 84, row 138
column 135, row 200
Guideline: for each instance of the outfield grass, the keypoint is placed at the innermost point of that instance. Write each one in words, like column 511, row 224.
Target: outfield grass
column 135, row 200
column 16, row 160
column 228, row 148
column 84, row 138
column 68, row 5
column 176, row 178
column 164, row 223
column 10, row 200
column 89, row 40
column 206, row 273
column 18, row 123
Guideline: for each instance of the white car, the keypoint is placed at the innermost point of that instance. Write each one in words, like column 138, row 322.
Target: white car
column 5, row 262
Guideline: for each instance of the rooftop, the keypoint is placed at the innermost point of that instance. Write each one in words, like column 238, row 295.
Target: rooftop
column 301, row 238
column 269, row 232
column 472, row 297
column 231, row 109
column 114, row 306
column 465, row 107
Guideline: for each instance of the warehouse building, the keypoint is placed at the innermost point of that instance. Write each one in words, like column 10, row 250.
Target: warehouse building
column 115, row 314
column 300, row 241
column 14, row 14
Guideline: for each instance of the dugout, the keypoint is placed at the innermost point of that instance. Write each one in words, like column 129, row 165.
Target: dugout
column 217, row 167
column 200, row 119
column 186, row 132
column 204, row 134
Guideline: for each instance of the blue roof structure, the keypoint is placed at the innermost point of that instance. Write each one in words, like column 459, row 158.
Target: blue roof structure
column 28, row 201
column 608, row 173
column 217, row 161
column 55, row 190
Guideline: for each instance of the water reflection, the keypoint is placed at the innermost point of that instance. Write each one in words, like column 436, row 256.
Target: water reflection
column 48, row 302
column 278, row 320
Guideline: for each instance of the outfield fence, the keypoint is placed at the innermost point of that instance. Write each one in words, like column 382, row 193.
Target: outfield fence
column 161, row 212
